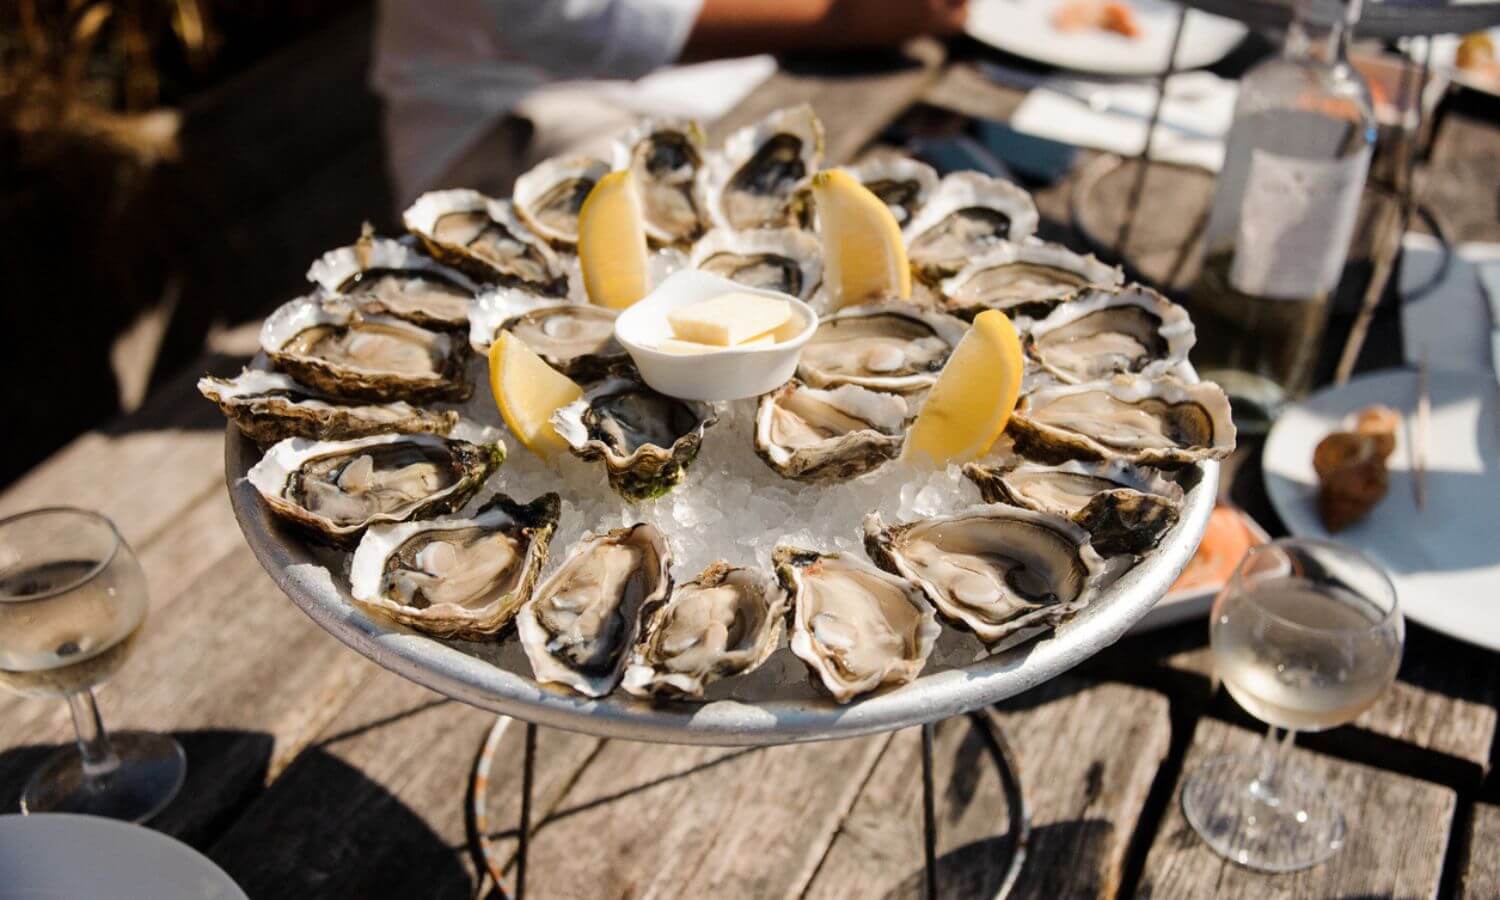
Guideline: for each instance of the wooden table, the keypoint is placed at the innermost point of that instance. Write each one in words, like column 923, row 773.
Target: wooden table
column 314, row 773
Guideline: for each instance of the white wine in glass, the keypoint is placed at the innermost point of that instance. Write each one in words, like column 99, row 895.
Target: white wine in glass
column 72, row 600
column 1306, row 635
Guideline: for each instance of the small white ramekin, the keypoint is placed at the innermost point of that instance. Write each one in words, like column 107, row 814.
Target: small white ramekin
column 729, row 374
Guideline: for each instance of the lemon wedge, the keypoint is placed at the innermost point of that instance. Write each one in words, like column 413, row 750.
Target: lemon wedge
column 528, row 392
column 973, row 397
column 863, row 255
column 612, row 242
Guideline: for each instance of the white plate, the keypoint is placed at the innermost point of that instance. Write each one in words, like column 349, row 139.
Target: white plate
column 1024, row 28
column 57, row 856
column 1444, row 559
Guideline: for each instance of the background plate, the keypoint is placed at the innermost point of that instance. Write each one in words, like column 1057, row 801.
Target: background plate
column 1444, row 559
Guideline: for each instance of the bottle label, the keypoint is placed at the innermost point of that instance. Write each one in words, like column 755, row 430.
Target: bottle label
column 1295, row 224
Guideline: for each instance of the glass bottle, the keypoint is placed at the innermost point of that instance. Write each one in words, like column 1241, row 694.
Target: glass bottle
column 1283, row 214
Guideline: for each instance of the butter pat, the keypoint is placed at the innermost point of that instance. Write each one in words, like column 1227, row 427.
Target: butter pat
column 729, row 319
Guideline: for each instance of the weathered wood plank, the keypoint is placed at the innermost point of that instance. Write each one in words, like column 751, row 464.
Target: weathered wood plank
column 854, row 104
column 667, row 821
column 1481, row 872
column 1398, row 833
column 1087, row 755
column 243, row 678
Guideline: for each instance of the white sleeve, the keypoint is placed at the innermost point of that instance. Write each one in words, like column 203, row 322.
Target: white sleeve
column 594, row 38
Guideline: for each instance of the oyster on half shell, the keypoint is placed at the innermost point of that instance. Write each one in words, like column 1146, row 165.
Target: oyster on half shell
column 788, row 260
column 969, row 213
column 891, row 346
column 1124, row 508
column 1161, row 422
column 548, row 197
column 725, row 622
column 1133, row 330
column 271, row 406
column 992, row 569
column 485, row 239
column 581, row 623
column 646, row 440
column 812, row 434
column 856, row 627
column 456, row 577
column 383, row 276
column 328, row 344
column 1025, row 281
column 577, row 339
column 750, row 182
column 665, row 156
column 336, row 489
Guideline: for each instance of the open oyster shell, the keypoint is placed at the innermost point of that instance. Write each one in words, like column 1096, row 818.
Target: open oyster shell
column 777, row 259
column 1026, row 281
column 856, row 627
column 1133, row 330
column 1162, row 421
column 646, row 440
column 903, row 183
column 665, row 156
column 725, row 622
column 485, row 239
column 992, row 569
column 271, row 406
column 335, row 489
column 456, row 577
column 387, row 277
column 1124, row 508
column 815, row 435
column 328, row 344
column 969, row 213
column 582, row 621
column 548, row 197
column 577, row 339
column 890, row 346
column 749, row 183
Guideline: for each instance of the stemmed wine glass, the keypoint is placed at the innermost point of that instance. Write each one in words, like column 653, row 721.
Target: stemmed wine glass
column 72, row 599
column 1306, row 635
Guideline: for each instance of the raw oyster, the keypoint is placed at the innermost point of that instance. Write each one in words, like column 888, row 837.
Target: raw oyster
column 776, row 259
column 992, row 569
column 577, row 339
column 892, row 346
column 328, row 344
column 905, row 184
column 969, row 213
column 725, row 622
column 812, row 434
column 270, row 406
column 645, row 439
column 1163, row 422
column 665, row 156
column 388, row 277
column 337, row 488
column 748, row 184
column 1133, row 330
column 581, row 622
column 1025, row 281
column 456, row 577
column 1124, row 508
column 548, row 197
column 857, row 628
column 485, row 239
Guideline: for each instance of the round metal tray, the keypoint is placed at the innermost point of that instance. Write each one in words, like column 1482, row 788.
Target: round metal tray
column 776, row 704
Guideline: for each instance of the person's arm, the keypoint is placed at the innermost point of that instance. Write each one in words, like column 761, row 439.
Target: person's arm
column 741, row 27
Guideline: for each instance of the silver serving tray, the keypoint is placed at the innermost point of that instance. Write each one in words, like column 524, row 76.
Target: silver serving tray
column 776, row 704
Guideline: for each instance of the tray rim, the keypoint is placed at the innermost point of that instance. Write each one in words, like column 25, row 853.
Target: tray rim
column 450, row 671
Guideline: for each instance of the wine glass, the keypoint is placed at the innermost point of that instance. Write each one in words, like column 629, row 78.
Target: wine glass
column 72, row 600
column 1306, row 635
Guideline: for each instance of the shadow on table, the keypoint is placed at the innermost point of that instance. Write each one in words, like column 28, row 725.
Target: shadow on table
column 1058, row 854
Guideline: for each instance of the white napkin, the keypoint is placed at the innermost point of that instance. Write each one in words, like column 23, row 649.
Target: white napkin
column 1451, row 322
column 1114, row 116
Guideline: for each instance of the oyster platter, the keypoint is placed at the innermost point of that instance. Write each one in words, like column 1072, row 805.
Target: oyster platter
column 718, row 444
